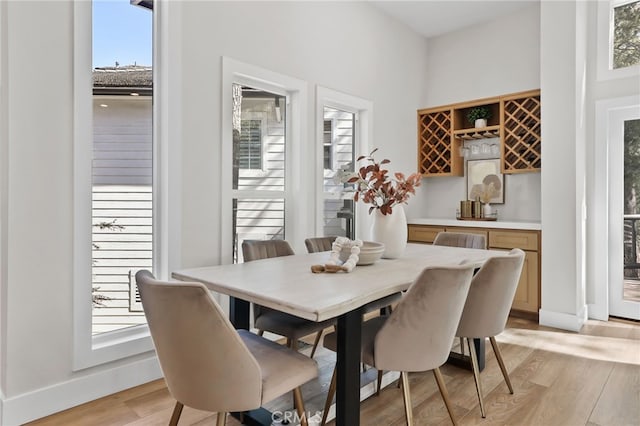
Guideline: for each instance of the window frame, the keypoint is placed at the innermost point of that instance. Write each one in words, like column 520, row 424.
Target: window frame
column 363, row 110
column 90, row 350
column 296, row 189
column 604, row 42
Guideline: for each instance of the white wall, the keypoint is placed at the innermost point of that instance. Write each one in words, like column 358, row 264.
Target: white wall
column 349, row 47
column 490, row 59
column 378, row 60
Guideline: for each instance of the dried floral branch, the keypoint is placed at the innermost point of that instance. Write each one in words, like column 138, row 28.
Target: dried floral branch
column 374, row 186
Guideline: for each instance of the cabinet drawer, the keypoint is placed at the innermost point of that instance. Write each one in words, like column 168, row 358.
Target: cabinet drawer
column 513, row 239
column 423, row 234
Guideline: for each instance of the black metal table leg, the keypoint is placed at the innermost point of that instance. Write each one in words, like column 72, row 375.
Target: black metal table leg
column 239, row 313
column 348, row 365
column 464, row 361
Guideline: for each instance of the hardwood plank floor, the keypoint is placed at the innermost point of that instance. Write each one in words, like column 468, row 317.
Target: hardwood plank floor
column 559, row 378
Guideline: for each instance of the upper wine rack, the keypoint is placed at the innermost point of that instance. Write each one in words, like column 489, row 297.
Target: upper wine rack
column 514, row 118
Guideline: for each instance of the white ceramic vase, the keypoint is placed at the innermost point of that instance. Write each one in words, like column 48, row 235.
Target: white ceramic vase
column 391, row 230
column 486, row 210
column 480, row 123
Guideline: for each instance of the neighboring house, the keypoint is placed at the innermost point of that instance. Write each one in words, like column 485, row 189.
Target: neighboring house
column 122, row 178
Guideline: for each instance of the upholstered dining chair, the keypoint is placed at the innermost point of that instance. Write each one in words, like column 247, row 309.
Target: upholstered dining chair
column 207, row 364
column 417, row 335
column 460, row 239
column 487, row 308
column 318, row 244
column 283, row 324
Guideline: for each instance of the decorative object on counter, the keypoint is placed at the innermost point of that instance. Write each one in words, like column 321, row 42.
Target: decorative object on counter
column 484, row 180
column 386, row 196
column 474, row 210
column 478, row 116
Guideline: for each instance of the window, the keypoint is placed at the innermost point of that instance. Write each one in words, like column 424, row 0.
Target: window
column 250, row 147
column 626, row 35
column 618, row 39
column 328, row 144
column 343, row 123
column 122, row 166
column 262, row 127
column 115, row 177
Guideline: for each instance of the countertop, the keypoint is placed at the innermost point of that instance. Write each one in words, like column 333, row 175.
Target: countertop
column 498, row 224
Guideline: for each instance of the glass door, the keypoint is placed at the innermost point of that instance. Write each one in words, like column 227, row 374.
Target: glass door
column 624, row 246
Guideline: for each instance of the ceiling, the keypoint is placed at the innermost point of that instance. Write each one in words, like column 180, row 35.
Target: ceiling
column 431, row 18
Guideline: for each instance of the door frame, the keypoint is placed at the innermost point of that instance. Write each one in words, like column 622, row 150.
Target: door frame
column 606, row 220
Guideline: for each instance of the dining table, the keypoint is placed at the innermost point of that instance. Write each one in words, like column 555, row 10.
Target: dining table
column 287, row 284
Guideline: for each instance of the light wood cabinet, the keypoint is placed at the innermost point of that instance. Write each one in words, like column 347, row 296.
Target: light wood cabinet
column 515, row 119
column 527, row 297
column 423, row 234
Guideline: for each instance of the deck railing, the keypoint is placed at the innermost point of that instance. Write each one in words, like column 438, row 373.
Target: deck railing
column 631, row 246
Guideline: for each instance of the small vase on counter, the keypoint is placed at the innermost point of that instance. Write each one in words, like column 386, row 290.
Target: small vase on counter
column 487, row 211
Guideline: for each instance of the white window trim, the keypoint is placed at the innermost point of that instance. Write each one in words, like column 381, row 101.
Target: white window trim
column 89, row 350
column 604, row 42
column 296, row 115
column 363, row 109
column 3, row 200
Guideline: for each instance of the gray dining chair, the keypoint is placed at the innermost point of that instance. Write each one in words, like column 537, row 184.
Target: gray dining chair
column 417, row 335
column 318, row 244
column 487, row 309
column 207, row 364
column 273, row 321
column 460, row 239
column 464, row 240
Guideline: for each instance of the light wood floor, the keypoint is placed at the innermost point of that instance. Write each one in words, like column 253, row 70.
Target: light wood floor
column 560, row 378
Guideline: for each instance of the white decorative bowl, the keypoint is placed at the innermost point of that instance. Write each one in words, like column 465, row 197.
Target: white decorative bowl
column 370, row 252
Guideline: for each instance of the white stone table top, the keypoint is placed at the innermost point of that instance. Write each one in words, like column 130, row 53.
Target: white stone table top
column 287, row 284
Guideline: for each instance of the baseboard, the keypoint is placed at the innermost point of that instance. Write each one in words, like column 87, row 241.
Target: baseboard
column 563, row 320
column 61, row 396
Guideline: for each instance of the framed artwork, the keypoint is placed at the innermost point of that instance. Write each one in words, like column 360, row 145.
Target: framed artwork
column 484, row 180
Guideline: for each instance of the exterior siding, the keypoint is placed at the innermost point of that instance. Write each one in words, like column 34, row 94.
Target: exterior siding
column 122, row 195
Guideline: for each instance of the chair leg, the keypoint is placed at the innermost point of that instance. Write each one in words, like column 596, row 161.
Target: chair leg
column 177, row 410
column 330, row 394
column 444, row 393
column 315, row 343
column 222, row 419
column 406, row 397
column 476, row 374
column 379, row 382
column 297, row 396
column 260, row 332
column 505, row 374
column 462, row 346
